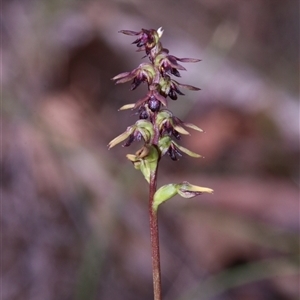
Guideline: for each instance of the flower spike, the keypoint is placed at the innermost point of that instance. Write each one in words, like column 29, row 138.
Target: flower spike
column 157, row 128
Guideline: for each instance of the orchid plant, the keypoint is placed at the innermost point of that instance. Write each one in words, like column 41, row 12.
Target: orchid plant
column 157, row 127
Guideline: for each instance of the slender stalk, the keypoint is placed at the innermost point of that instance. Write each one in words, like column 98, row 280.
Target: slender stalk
column 154, row 236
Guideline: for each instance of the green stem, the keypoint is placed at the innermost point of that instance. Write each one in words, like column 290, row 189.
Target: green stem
column 154, row 236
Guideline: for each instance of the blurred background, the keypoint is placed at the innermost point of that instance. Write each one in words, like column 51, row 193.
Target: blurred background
column 74, row 215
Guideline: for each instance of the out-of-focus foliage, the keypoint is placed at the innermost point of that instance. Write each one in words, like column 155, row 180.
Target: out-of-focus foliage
column 74, row 215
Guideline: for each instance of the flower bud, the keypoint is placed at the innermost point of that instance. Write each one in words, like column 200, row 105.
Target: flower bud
column 184, row 189
column 145, row 160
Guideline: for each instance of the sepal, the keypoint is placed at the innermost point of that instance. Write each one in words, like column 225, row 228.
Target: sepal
column 187, row 190
column 167, row 145
column 127, row 106
column 166, row 122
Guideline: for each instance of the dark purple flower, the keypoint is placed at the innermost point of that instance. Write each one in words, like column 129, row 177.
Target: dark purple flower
column 142, row 129
column 147, row 39
column 167, row 145
column 167, row 64
column 173, row 152
column 170, row 87
column 143, row 73
column 143, row 113
column 153, row 99
column 171, row 125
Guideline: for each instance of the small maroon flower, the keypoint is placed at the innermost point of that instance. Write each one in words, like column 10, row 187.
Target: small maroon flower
column 147, row 39
column 174, row 152
column 169, row 87
column 167, row 146
column 153, row 99
column 143, row 113
column 167, row 64
column 171, row 125
column 143, row 73
column 142, row 129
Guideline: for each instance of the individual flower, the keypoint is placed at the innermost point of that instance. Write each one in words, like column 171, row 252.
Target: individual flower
column 167, row 64
column 143, row 73
column 184, row 189
column 153, row 99
column 167, row 145
column 167, row 123
column 141, row 129
column 147, row 39
column 143, row 112
column 145, row 160
column 170, row 87
column 187, row 190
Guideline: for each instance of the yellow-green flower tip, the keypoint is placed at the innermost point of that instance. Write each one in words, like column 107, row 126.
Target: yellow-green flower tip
column 160, row 32
column 127, row 106
column 122, row 137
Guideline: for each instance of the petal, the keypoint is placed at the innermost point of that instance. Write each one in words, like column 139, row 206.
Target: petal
column 195, row 188
column 122, row 137
column 176, row 89
column 188, row 59
column 129, row 32
column 121, row 75
column 160, row 32
column 130, row 140
column 175, row 72
column 135, row 84
column 173, row 63
column 181, row 130
column 193, row 127
column 143, row 152
column 135, row 160
column 186, row 151
column 173, row 152
column 172, row 94
column 188, row 190
column 127, row 106
column 132, row 157
column 141, row 101
column 189, row 87
column 161, row 98
column 177, row 121
column 126, row 78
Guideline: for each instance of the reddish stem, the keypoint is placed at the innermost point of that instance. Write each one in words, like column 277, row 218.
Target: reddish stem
column 154, row 236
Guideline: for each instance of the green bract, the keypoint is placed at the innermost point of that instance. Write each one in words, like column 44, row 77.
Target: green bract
column 145, row 160
column 163, row 194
